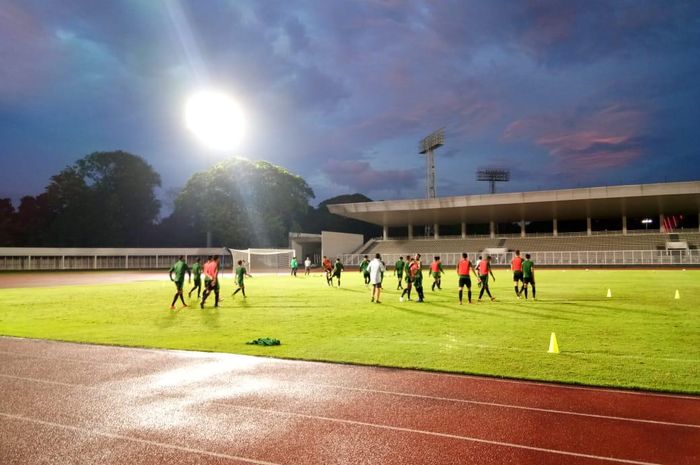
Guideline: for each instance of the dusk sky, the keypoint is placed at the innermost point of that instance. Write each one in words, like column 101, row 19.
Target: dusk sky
column 564, row 93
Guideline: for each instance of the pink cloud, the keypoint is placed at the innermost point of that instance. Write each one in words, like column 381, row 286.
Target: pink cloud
column 359, row 175
column 585, row 141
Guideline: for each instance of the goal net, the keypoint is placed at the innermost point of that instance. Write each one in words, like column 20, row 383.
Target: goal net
column 263, row 260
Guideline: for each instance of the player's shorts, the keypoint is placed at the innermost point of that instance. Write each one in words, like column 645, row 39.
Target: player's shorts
column 179, row 284
column 465, row 281
column 197, row 281
column 529, row 280
column 517, row 275
column 437, row 274
column 211, row 285
column 239, row 283
column 365, row 273
column 336, row 274
column 484, row 278
column 400, row 276
column 377, row 285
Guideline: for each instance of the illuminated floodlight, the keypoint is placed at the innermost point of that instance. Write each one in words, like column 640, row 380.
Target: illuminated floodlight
column 215, row 119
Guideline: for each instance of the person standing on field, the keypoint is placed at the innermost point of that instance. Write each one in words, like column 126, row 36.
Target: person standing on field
column 294, row 264
column 179, row 268
column 241, row 273
column 197, row 272
column 437, row 270
column 398, row 272
column 211, row 281
column 409, row 279
column 307, row 266
column 516, row 265
column 417, row 276
column 363, row 269
column 464, row 267
column 528, row 275
column 376, row 271
column 337, row 270
column 328, row 268
column 484, row 271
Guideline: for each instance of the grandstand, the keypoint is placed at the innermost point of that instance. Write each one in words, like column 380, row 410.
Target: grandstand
column 669, row 243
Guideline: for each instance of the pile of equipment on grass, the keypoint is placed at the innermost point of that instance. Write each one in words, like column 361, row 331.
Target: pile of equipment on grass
column 265, row 341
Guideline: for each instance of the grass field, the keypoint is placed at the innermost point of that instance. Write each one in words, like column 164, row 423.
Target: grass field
column 639, row 338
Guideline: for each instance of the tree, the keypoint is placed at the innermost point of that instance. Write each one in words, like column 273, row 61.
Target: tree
column 242, row 203
column 104, row 199
column 7, row 222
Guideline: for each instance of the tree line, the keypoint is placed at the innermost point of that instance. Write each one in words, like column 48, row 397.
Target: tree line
column 108, row 199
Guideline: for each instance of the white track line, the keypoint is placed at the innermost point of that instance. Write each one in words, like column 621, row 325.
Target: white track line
column 436, row 434
column 496, row 404
column 137, row 440
column 399, row 394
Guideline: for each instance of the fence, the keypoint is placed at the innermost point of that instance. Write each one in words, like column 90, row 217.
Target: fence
column 36, row 258
column 578, row 258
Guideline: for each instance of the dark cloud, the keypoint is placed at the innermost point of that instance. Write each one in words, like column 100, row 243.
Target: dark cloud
column 567, row 92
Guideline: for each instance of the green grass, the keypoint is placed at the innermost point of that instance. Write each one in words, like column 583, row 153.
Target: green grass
column 640, row 338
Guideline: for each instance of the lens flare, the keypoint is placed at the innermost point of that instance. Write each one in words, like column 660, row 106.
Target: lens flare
column 215, row 119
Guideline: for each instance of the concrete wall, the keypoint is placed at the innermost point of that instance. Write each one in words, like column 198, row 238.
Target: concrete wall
column 335, row 244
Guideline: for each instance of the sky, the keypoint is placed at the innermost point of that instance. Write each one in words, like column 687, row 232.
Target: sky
column 562, row 93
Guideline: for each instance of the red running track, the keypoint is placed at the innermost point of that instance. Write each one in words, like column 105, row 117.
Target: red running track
column 81, row 404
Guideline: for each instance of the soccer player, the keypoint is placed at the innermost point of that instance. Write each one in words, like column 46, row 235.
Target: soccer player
column 376, row 270
column 241, row 273
column 437, row 270
column 197, row 272
column 328, row 268
column 417, row 275
column 179, row 268
column 463, row 268
column 409, row 279
column 211, row 281
column 484, row 271
column 294, row 264
column 337, row 270
column 398, row 271
column 307, row 266
column 407, row 269
column 528, row 275
column 516, row 265
column 363, row 269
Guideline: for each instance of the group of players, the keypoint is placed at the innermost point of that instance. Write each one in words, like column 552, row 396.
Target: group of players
column 373, row 271
column 411, row 272
column 210, row 270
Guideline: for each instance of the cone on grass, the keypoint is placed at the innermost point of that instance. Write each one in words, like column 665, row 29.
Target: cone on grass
column 609, row 293
column 678, row 295
column 553, row 345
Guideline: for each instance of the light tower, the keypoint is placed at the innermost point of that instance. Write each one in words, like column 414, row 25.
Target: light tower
column 493, row 175
column 426, row 147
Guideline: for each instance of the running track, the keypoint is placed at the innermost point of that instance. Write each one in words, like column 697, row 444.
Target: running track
column 73, row 404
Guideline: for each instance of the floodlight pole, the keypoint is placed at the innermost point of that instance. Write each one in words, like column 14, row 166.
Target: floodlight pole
column 427, row 147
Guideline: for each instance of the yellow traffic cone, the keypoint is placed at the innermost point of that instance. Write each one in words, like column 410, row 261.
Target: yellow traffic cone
column 553, row 346
column 678, row 295
column 609, row 293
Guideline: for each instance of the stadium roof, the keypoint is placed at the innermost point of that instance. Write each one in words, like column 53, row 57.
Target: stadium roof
column 639, row 200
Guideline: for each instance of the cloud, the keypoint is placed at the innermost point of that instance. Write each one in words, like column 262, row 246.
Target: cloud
column 586, row 139
column 359, row 176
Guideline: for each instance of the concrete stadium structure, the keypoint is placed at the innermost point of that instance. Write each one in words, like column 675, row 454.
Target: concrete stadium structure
column 652, row 202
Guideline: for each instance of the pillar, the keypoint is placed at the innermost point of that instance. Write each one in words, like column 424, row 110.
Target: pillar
column 588, row 226
column 492, row 229
column 385, row 232
column 464, row 230
column 522, row 228
column 624, row 225
column 662, row 229
column 410, row 231
column 436, row 231
column 555, row 230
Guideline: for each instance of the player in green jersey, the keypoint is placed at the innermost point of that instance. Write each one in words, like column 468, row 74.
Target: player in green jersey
column 337, row 270
column 528, row 275
column 241, row 273
column 364, row 269
column 409, row 278
column 197, row 272
column 179, row 268
column 398, row 271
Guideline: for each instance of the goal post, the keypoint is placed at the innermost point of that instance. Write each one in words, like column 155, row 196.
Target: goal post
column 262, row 260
